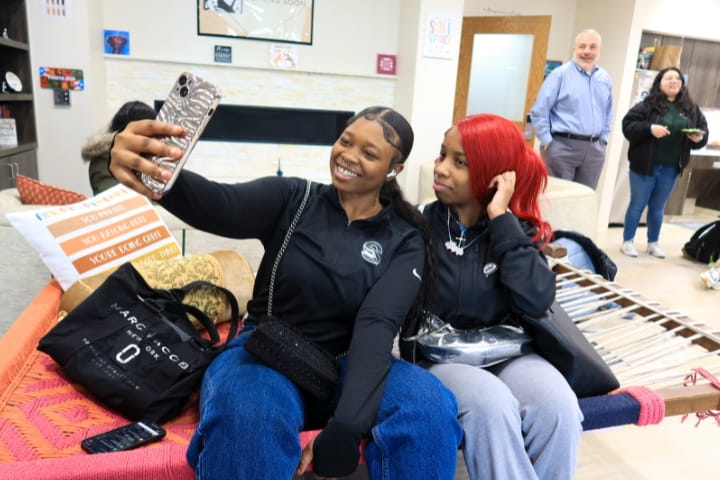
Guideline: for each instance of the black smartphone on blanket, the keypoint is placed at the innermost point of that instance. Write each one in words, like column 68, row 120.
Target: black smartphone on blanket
column 126, row 437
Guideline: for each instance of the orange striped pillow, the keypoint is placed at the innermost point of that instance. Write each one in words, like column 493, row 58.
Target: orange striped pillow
column 35, row 192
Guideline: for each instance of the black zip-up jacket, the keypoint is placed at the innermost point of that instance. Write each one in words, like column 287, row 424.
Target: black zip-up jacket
column 636, row 128
column 345, row 285
column 500, row 273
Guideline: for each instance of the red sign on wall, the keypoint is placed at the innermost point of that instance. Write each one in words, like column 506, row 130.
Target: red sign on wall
column 386, row 64
column 64, row 78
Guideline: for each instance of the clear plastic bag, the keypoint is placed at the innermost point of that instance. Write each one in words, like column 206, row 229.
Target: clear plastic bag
column 440, row 342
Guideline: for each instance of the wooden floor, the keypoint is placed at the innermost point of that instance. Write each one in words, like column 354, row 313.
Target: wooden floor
column 672, row 449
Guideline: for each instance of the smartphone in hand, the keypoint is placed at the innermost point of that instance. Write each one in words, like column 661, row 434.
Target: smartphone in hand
column 126, row 437
column 191, row 103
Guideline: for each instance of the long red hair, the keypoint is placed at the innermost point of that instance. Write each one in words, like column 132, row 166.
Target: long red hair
column 494, row 145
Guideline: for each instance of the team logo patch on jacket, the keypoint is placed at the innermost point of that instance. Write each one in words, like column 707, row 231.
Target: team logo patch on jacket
column 372, row 252
column 489, row 268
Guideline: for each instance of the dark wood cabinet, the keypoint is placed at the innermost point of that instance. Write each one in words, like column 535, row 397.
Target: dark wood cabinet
column 700, row 61
column 20, row 160
column 699, row 182
column 15, row 57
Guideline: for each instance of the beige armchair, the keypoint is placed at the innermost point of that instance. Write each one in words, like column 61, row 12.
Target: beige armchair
column 566, row 205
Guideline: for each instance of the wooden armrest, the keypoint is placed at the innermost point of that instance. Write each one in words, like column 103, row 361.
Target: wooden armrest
column 555, row 250
column 697, row 398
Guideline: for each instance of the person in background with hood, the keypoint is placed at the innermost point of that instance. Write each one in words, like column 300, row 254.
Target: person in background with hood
column 97, row 149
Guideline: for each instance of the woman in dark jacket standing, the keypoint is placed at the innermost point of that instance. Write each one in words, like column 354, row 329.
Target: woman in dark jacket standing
column 662, row 129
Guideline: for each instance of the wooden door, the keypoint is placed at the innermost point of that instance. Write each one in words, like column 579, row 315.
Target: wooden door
column 474, row 29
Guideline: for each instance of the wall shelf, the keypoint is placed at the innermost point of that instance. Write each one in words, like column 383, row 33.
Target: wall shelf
column 22, row 147
column 9, row 43
column 15, row 97
column 15, row 56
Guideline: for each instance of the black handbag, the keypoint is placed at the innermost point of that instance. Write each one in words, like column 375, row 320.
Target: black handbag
column 133, row 346
column 279, row 345
column 557, row 339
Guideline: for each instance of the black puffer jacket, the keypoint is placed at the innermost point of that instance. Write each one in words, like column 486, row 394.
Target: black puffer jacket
column 636, row 128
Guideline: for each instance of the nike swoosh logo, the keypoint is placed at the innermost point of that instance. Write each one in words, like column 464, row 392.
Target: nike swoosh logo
column 414, row 272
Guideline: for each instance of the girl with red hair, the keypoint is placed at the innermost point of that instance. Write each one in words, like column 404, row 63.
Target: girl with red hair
column 521, row 418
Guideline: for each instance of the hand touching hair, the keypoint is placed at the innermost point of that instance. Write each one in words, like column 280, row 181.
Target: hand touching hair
column 494, row 145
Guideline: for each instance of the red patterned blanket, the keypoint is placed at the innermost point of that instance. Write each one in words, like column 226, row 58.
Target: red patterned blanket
column 43, row 417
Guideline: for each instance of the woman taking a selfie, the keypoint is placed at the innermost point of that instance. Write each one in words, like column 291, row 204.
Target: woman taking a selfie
column 352, row 276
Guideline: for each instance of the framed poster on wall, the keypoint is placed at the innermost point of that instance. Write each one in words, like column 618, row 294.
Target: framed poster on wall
column 288, row 21
column 550, row 65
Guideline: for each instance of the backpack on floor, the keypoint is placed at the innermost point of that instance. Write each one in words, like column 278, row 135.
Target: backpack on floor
column 704, row 245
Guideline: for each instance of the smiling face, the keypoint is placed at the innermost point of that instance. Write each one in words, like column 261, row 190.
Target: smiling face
column 587, row 50
column 361, row 158
column 451, row 180
column 670, row 84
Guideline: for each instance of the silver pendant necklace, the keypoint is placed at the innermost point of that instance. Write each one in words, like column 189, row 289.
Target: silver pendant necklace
column 458, row 248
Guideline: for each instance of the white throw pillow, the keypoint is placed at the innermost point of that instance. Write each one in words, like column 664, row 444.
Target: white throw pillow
column 82, row 239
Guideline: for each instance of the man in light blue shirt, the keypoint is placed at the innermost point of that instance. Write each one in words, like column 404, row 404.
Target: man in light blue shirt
column 572, row 113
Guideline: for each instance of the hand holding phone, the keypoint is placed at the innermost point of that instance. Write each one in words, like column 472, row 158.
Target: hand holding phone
column 126, row 437
column 191, row 103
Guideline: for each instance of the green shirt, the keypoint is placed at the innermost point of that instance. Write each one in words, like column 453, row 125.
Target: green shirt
column 668, row 150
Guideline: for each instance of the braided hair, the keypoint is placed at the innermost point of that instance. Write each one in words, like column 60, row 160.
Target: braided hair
column 398, row 133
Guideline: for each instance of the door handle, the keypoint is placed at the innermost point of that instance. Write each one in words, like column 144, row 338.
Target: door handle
column 14, row 169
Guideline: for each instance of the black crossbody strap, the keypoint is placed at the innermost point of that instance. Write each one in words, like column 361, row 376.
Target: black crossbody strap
column 199, row 315
column 284, row 245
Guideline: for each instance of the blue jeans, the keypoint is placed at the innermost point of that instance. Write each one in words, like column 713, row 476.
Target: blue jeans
column 251, row 415
column 652, row 192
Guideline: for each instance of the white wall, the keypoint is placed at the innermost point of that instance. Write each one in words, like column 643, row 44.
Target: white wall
column 347, row 35
column 425, row 92
column 336, row 72
column 68, row 43
column 696, row 18
column 561, row 28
